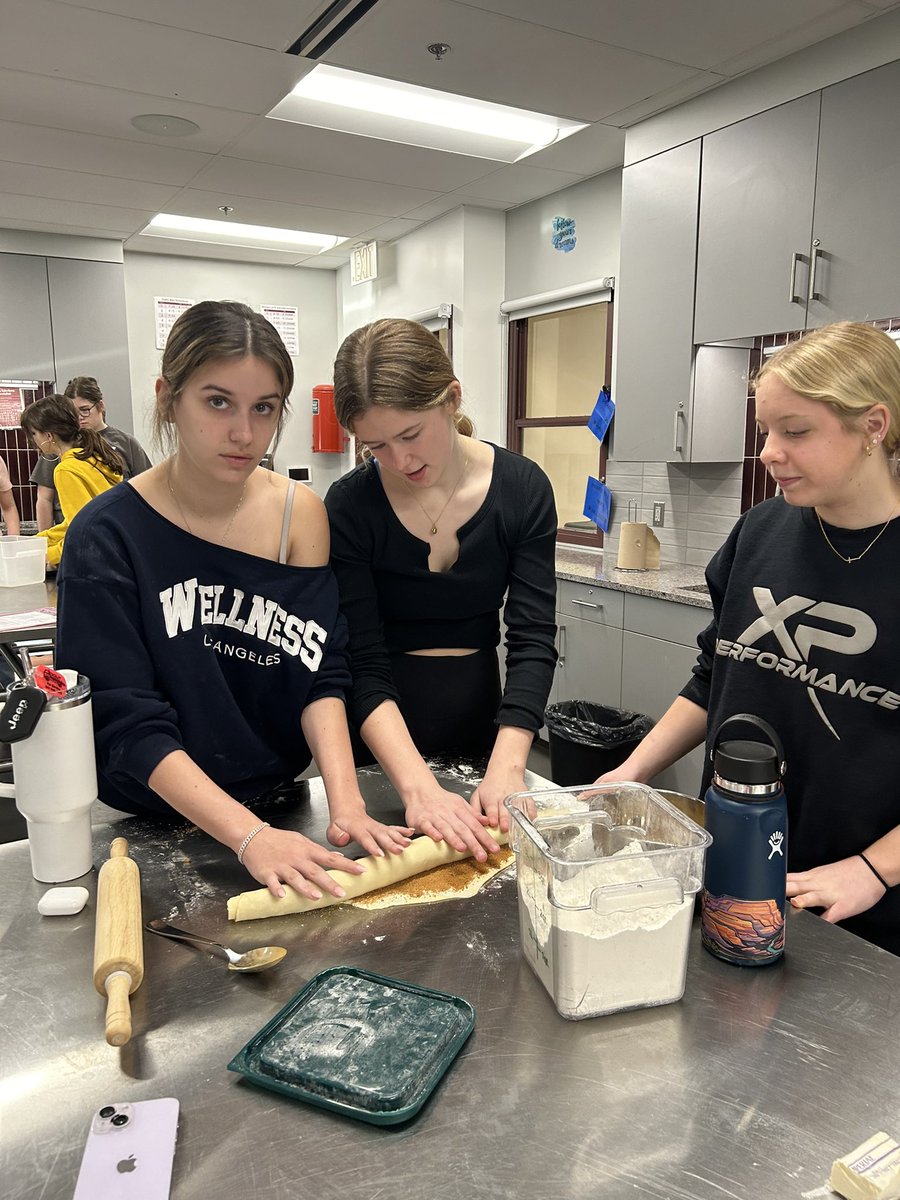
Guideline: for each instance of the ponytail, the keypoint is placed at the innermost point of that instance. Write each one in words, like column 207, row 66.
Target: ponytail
column 95, row 445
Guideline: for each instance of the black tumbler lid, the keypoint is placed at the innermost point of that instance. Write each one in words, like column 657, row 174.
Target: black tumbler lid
column 747, row 762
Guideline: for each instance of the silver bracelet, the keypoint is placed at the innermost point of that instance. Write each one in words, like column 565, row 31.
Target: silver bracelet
column 249, row 838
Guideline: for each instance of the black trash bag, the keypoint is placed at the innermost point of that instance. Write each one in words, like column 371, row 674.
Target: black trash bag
column 587, row 739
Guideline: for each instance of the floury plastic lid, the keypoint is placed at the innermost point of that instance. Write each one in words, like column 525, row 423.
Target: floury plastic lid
column 360, row 1044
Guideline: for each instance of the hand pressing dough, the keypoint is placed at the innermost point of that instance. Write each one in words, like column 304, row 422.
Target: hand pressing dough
column 422, row 854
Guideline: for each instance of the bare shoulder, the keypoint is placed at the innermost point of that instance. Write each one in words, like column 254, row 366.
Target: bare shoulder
column 151, row 484
column 309, row 543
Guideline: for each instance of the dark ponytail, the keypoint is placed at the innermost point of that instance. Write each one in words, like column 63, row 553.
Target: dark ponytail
column 57, row 416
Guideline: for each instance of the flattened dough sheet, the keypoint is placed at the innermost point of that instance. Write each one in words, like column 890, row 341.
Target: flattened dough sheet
column 420, row 855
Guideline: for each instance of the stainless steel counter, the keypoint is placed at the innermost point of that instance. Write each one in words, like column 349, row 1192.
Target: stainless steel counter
column 745, row 1090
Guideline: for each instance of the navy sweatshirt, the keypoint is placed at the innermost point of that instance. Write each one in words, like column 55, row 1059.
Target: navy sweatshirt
column 192, row 646
column 812, row 644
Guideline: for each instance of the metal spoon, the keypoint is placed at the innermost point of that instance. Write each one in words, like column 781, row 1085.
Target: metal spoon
column 251, row 960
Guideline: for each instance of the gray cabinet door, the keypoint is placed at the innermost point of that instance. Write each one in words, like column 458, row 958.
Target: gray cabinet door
column 857, row 271
column 653, row 673
column 87, row 300
column 26, row 340
column 654, row 298
column 590, row 661
column 756, row 209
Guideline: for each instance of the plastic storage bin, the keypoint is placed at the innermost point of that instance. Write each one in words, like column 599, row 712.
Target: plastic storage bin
column 587, row 739
column 606, row 884
column 22, row 560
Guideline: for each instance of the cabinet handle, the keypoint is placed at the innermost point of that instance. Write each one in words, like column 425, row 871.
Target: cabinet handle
column 561, row 654
column 813, row 263
column 586, row 604
column 676, row 444
column 793, row 298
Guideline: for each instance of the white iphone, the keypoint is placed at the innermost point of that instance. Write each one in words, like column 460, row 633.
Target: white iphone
column 129, row 1152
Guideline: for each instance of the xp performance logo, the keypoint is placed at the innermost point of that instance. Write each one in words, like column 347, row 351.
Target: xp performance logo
column 829, row 628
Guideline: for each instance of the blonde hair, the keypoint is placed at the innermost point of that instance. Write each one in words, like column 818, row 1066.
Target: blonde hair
column 393, row 363
column 850, row 367
column 216, row 329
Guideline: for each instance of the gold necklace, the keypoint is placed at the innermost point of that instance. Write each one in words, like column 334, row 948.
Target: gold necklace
column 857, row 557
column 433, row 521
column 187, row 523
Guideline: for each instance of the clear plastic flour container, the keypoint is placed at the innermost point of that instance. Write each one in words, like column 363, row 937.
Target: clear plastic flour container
column 606, row 878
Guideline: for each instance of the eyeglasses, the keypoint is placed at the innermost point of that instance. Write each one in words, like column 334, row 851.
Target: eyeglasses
column 84, row 410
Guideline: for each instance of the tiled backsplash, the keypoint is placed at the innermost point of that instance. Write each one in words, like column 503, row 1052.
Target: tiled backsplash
column 703, row 501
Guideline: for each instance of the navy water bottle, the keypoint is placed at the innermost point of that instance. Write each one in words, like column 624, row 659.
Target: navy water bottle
column 742, row 905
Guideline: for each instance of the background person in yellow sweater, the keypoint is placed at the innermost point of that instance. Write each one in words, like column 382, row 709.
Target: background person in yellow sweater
column 88, row 464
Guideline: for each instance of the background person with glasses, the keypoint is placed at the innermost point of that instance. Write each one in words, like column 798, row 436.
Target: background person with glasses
column 86, row 396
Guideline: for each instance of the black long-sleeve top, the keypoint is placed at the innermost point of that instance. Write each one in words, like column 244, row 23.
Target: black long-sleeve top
column 394, row 603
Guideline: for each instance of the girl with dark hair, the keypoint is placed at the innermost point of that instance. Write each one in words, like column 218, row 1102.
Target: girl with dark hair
column 199, row 601
column 432, row 538
column 87, row 467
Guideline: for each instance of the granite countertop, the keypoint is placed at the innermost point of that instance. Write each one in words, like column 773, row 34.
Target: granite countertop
column 673, row 581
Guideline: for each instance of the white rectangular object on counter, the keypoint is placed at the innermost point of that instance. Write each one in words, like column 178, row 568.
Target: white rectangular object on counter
column 22, row 560
column 606, row 884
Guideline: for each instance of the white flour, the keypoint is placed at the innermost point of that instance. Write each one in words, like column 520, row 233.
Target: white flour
column 597, row 962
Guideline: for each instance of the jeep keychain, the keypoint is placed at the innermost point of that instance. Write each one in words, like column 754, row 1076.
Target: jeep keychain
column 21, row 712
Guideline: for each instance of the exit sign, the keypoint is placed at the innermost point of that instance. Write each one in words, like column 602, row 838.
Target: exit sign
column 363, row 263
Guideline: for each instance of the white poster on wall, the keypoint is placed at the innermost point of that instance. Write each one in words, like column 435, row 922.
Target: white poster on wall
column 167, row 310
column 286, row 321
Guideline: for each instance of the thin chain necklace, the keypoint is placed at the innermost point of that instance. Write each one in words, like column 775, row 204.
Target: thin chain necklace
column 855, row 558
column 433, row 521
column 187, row 523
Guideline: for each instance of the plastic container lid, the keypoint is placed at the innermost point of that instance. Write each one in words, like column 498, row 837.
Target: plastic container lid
column 358, row 1043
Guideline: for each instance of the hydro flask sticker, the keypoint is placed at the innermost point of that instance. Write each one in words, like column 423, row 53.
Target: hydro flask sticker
column 776, row 841
column 742, row 929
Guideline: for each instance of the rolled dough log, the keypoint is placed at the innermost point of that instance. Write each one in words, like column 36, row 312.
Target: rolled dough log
column 420, row 855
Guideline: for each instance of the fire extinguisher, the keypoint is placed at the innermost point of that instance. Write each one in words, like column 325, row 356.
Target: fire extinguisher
column 327, row 435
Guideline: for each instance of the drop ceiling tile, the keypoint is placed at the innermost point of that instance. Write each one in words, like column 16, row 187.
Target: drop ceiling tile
column 94, row 47
column 98, row 155
column 589, row 152
column 34, row 226
column 502, row 59
column 309, row 187
column 703, row 81
column 252, row 210
column 698, row 33
column 388, row 231
column 843, row 17
column 276, row 23
column 345, row 154
column 98, row 217
column 453, row 200
column 89, row 108
column 26, row 180
column 519, row 183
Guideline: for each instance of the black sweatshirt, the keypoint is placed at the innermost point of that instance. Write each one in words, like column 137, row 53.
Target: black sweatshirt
column 812, row 644
column 192, row 646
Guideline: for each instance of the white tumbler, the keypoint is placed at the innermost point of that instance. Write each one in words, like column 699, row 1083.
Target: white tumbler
column 55, row 779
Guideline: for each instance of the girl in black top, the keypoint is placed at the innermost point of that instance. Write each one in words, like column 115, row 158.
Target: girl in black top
column 805, row 597
column 429, row 536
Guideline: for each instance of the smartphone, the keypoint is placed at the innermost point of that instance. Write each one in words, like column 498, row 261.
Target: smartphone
column 129, row 1152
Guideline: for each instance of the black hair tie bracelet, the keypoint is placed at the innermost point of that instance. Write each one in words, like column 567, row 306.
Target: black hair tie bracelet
column 884, row 883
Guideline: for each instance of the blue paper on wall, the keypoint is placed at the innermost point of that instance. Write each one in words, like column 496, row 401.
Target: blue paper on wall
column 596, row 503
column 603, row 413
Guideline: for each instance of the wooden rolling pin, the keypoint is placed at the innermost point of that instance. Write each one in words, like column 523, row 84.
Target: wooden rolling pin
column 118, row 940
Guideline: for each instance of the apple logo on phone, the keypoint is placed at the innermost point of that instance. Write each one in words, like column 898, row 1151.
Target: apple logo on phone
column 126, row 1164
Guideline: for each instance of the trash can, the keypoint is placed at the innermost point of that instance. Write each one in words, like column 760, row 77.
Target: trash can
column 588, row 739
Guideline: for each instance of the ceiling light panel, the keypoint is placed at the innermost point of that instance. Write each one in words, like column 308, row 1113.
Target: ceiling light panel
column 233, row 233
column 366, row 105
